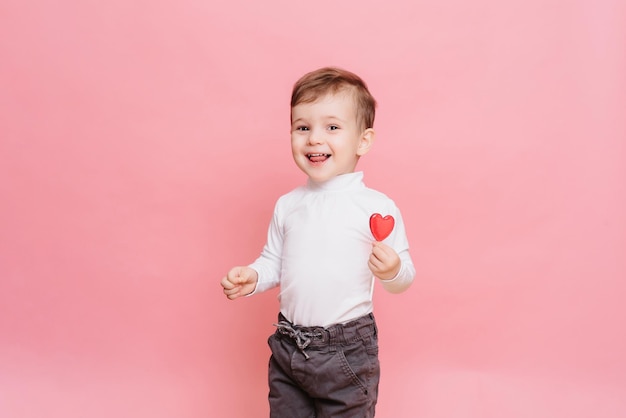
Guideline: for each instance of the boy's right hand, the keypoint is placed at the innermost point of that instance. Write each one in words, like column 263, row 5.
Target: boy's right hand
column 240, row 281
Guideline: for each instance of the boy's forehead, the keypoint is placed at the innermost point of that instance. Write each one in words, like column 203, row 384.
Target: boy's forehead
column 342, row 98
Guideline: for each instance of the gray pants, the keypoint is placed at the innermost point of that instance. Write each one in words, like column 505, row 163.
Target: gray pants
column 324, row 372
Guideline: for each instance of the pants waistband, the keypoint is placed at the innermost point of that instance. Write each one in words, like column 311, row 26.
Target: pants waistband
column 316, row 337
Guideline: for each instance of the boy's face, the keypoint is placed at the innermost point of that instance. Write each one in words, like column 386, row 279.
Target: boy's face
column 326, row 138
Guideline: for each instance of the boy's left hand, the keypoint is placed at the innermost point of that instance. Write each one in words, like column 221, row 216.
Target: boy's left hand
column 384, row 262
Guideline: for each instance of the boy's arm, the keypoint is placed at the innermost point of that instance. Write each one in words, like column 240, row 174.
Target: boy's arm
column 394, row 265
column 269, row 263
column 406, row 273
column 261, row 275
column 395, row 271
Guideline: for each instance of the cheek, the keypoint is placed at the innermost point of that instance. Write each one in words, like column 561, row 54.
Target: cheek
column 296, row 148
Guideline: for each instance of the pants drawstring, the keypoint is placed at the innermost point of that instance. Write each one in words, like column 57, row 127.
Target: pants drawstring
column 302, row 338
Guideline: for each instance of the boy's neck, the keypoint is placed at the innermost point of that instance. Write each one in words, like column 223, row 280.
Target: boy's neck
column 339, row 182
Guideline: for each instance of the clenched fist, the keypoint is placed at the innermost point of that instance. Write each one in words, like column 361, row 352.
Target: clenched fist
column 384, row 262
column 240, row 281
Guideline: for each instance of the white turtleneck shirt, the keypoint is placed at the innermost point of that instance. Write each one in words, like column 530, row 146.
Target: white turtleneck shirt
column 318, row 246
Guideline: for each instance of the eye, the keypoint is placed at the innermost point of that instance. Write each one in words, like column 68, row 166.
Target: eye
column 302, row 128
column 333, row 127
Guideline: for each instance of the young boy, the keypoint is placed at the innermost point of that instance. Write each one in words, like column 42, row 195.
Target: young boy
column 321, row 253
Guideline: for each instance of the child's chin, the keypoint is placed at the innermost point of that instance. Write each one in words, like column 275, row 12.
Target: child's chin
column 318, row 178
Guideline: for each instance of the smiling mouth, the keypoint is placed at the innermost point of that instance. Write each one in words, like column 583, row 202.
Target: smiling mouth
column 317, row 158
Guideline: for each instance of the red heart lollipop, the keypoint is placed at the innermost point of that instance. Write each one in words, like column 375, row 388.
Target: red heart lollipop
column 381, row 227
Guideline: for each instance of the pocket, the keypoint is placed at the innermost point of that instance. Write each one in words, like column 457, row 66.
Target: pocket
column 360, row 363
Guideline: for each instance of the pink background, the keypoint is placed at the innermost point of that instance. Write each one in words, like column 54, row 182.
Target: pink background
column 143, row 145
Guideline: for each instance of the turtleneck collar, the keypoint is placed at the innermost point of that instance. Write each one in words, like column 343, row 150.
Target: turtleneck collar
column 342, row 182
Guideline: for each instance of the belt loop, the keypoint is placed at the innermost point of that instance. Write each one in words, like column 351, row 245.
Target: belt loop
column 374, row 323
column 341, row 336
column 368, row 328
column 332, row 338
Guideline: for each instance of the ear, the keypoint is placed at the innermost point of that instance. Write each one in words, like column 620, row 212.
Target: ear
column 365, row 143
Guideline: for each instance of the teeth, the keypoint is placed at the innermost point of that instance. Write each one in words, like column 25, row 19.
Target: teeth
column 317, row 155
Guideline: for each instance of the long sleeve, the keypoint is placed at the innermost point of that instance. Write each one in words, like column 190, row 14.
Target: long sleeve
column 268, row 265
column 405, row 276
column 400, row 243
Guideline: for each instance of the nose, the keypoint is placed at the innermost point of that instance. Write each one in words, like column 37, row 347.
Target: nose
column 314, row 138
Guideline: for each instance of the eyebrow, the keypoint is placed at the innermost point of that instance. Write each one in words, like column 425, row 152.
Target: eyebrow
column 324, row 118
